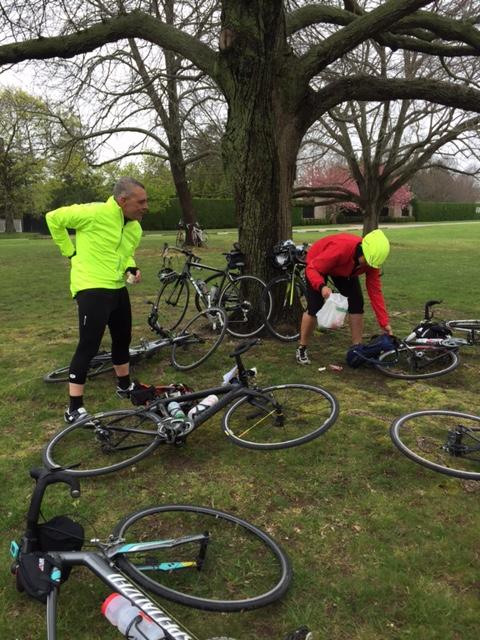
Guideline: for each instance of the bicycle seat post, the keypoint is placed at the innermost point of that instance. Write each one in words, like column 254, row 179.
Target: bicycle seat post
column 242, row 372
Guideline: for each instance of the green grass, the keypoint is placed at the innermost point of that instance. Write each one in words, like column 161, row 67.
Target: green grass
column 382, row 549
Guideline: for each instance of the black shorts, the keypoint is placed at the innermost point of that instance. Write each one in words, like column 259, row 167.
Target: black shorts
column 98, row 309
column 348, row 287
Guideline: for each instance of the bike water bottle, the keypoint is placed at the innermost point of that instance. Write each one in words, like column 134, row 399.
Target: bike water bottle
column 202, row 285
column 209, row 401
column 176, row 411
column 213, row 294
column 129, row 620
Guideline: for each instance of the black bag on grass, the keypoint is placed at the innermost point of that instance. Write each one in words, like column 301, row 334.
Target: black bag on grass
column 367, row 354
column 34, row 574
column 33, row 570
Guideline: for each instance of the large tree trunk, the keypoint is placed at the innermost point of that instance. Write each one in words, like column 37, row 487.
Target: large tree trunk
column 261, row 140
column 189, row 216
column 371, row 217
column 8, row 213
column 372, row 200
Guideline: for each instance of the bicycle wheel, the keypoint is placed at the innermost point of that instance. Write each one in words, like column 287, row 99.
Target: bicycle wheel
column 445, row 441
column 243, row 300
column 104, row 442
column 172, row 303
column 288, row 302
column 418, row 361
column 281, row 416
column 471, row 327
column 241, row 567
column 101, row 363
column 199, row 339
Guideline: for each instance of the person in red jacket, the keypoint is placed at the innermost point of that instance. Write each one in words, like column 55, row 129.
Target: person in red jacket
column 343, row 257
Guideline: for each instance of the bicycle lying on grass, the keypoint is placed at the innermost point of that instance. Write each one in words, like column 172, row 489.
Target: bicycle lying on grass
column 240, row 295
column 470, row 327
column 196, row 342
column 441, row 440
column 265, row 418
column 236, row 565
column 430, row 350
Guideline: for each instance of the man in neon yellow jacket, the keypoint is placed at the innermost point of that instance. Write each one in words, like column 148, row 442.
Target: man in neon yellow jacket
column 102, row 258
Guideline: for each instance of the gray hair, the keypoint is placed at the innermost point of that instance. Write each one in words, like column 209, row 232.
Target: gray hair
column 123, row 187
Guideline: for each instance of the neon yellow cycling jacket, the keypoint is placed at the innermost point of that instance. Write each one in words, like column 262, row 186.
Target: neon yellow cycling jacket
column 104, row 243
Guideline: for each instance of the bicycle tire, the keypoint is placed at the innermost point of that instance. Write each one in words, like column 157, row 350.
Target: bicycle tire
column 199, row 339
column 245, row 313
column 97, row 366
column 418, row 362
column 287, row 307
column 298, row 404
column 172, row 303
column 92, row 437
column 418, row 435
column 248, row 546
column 472, row 327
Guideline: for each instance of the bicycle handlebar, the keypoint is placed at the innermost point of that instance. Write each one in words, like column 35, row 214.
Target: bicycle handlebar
column 245, row 346
column 186, row 252
column 428, row 315
column 43, row 478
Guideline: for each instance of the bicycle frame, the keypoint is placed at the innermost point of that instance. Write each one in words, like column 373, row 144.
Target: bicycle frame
column 455, row 446
column 296, row 272
column 447, row 343
column 192, row 263
column 102, row 568
column 230, row 392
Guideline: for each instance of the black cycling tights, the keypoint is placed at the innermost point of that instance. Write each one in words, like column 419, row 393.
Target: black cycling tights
column 97, row 309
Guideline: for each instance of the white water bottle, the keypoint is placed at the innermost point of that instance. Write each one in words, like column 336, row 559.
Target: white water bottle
column 121, row 613
column 209, row 401
column 213, row 294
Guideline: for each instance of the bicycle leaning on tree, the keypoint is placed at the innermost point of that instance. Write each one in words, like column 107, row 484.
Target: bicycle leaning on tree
column 262, row 418
column 236, row 566
column 284, row 299
column 241, row 296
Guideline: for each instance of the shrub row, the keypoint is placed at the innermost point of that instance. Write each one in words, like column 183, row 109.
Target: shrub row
column 341, row 219
column 212, row 214
column 433, row 211
column 219, row 213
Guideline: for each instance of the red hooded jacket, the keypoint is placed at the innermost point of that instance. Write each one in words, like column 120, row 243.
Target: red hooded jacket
column 335, row 256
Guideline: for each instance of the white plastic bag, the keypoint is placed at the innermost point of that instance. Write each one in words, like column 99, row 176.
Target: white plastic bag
column 332, row 314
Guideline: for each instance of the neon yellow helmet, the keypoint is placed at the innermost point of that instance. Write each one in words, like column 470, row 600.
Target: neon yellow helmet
column 375, row 247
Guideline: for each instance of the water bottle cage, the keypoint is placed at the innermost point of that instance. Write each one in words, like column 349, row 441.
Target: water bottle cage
column 134, row 624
